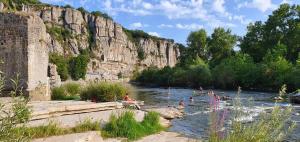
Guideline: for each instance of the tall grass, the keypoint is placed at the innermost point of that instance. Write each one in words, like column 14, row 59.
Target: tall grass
column 69, row 91
column 268, row 127
column 53, row 129
column 103, row 92
column 17, row 113
column 126, row 126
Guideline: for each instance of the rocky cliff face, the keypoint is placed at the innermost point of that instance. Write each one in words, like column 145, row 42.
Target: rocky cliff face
column 113, row 52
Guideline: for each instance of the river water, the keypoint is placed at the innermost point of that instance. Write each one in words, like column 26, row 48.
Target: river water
column 195, row 123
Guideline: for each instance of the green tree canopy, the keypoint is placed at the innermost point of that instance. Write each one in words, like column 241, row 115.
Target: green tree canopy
column 221, row 45
column 197, row 43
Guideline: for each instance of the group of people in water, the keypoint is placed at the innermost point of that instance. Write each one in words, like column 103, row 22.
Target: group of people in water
column 210, row 93
column 181, row 104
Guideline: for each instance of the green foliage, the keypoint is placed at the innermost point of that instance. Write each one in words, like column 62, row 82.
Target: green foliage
column 100, row 14
column 270, row 126
column 126, row 126
column 19, row 113
column 141, row 53
column 68, row 6
column 17, row 4
column 103, row 92
column 53, row 129
column 196, row 74
column 61, row 63
column 234, row 71
column 197, row 41
column 82, row 10
column 59, row 33
column 275, row 72
column 135, row 35
column 69, row 91
column 75, row 66
column 86, row 125
column 279, row 34
column 221, row 45
column 78, row 66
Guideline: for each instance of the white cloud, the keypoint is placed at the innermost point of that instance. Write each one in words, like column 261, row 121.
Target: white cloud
column 138, row 25
column 154, row 34
column 189, row 26
column 147, row 5
column 262, row 5
column 218, row 6
column 165, row 26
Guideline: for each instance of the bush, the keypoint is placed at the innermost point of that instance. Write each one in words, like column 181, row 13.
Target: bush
column 59, row 33
column 78, row 66
column 271, row 126
column 100, row 14
column 103, row 92
column 16, row 115
column 68, row 91
column 237, row 70
column 275, row 72
column 126, row 126
column 17, row 4
column 151, row 123
column 61, row 63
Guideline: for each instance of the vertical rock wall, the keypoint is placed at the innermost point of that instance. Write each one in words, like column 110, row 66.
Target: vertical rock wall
column 114, row 54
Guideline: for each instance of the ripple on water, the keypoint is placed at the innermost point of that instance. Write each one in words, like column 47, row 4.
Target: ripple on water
column 196, row 121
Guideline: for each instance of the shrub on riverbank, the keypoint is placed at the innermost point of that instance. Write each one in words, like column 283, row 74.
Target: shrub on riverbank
column 103, row 92
column 271, row 126
column 126, row 126
column 195, row 74
column 69, row 91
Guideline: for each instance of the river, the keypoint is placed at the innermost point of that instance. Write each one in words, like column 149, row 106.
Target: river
column 195, row 123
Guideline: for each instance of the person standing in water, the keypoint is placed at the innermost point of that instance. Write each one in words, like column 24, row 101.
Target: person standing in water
column 181, row 104
column 201, row 90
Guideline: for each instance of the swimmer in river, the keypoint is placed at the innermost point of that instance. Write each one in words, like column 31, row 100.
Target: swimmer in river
column 191, row 99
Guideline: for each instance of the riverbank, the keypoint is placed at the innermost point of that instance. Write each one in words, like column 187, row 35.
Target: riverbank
column 67, row 115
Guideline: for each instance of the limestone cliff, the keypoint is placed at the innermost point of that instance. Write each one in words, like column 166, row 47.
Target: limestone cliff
column 114, row 52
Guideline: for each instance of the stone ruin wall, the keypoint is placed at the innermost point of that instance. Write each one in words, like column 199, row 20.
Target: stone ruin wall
column 24, row 52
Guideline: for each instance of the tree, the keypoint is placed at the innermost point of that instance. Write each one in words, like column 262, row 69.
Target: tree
column 282, row 29
column 197, row 43
column 221, row 45
column 78, row 66
column 251, row 43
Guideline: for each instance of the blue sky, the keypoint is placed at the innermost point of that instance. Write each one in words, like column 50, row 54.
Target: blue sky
column 175, row 19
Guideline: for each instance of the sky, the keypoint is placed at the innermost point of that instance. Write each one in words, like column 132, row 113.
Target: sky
column 175, row 19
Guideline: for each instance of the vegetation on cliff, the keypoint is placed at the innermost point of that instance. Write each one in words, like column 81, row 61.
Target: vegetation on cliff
column 70, row 66
column 17, row 4
column 269, row 56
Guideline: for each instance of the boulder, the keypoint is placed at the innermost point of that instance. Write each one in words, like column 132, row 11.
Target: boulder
column 167, row 112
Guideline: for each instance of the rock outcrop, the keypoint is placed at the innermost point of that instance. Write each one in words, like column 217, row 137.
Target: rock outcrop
column 113, row 52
